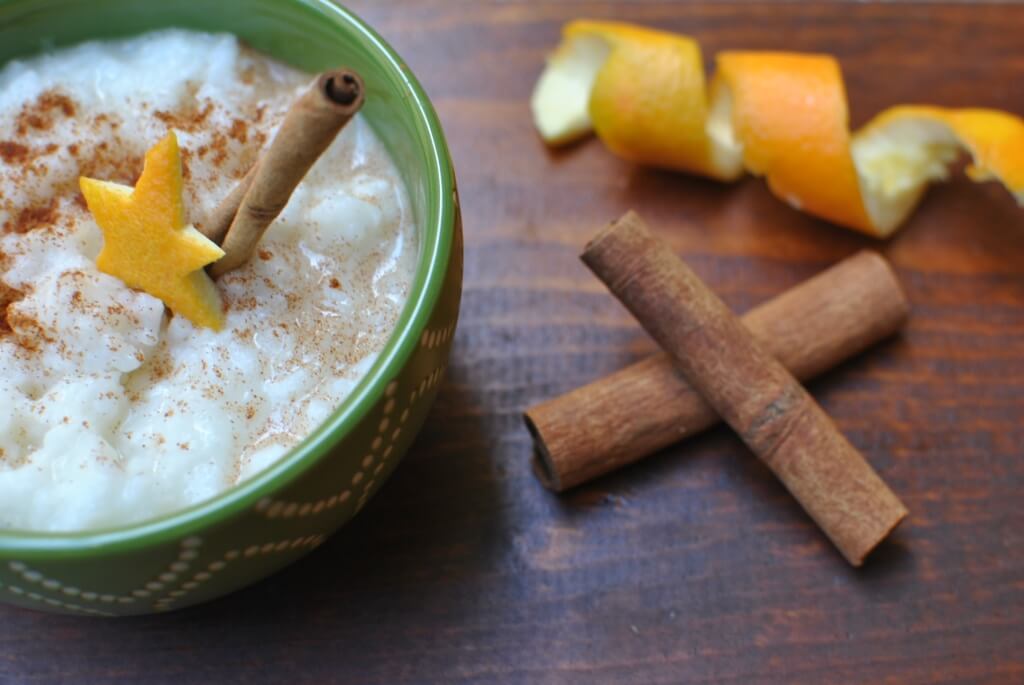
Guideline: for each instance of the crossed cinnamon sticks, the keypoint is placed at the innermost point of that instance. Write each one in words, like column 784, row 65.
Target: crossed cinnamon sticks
column 715, row 366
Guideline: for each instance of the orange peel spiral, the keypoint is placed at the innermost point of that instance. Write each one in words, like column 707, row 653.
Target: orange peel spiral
column 779, row 115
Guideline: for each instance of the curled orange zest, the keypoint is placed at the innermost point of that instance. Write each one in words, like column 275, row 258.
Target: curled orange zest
column 774, row 114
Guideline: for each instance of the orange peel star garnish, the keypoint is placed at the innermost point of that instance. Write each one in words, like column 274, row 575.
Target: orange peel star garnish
column 779, row 115
column 147, row 243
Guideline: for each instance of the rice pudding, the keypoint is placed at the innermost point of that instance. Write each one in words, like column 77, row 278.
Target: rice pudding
column 115, row 410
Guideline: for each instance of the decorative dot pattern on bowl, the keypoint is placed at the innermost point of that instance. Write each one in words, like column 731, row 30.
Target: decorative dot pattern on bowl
column 197, row 564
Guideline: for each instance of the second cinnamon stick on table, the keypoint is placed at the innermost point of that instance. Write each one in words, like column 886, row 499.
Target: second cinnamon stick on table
column 747, row 386
column 647, row 406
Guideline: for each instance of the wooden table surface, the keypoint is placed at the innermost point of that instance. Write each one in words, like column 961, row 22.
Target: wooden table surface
column 695, row 566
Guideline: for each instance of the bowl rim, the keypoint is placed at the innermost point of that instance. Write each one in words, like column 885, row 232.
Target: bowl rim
column 436, row 245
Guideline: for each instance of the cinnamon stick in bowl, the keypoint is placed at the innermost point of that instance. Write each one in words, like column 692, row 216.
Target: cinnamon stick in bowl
column 217, row 224
column 647, row 406
column 747, row 386
column 309, row 127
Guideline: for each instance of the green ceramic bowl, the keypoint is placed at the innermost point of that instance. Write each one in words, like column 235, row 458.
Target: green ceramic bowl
column 271, row 520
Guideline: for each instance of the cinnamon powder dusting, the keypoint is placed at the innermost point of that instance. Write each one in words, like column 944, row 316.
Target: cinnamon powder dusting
column 220, row 148
column 111, row 165
column 13, row 153
column 42, row 114
column 32, row 334
column 239, row 131
column 37, row 216
column 187, row 120
column 8, row 296
column 186, row 170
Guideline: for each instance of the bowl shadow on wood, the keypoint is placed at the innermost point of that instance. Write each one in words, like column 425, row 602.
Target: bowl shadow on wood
column 428, row 530
column 419, row 548
column 435, row 513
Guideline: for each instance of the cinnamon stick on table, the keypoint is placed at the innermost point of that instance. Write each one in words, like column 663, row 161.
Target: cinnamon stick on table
column 308, row 128
column 747, row 386
column 645, row 407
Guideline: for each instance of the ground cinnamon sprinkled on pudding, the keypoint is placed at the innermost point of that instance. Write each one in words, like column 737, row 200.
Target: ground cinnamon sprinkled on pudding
column 186, row 120
column 103, row 161
column 161, row 415
column 13, row 153
column 41, row 114
column 31, row 218
column 51, row 100
column 186, row 172
column 220, row 148
column 7, row 297
column 31, row 333
column 239, row 131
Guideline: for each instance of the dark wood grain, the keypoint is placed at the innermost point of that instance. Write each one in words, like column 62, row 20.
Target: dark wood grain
column 695, row 566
